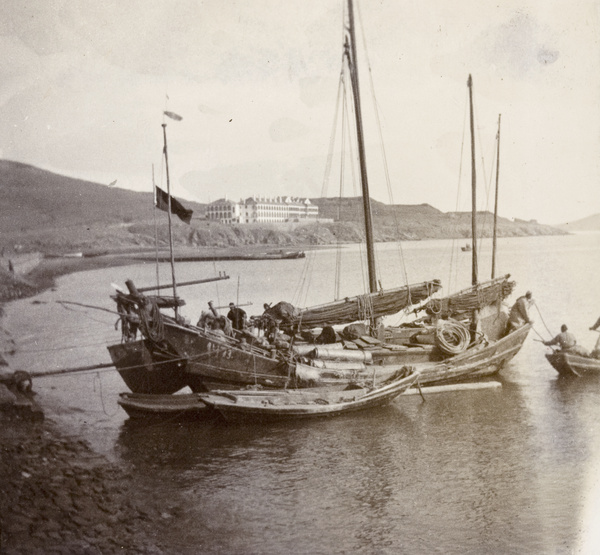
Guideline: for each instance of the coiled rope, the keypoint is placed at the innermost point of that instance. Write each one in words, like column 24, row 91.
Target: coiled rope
column 151, row 321
column 452, row 337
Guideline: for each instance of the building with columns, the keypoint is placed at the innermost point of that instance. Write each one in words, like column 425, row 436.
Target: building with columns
column 258, row 209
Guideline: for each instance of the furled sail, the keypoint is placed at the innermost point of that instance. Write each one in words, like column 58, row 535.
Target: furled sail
column 473, row 298
column 364, row 307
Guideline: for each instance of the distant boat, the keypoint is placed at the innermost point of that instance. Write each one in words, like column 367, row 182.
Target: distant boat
column 211, row 257
column 466, row 248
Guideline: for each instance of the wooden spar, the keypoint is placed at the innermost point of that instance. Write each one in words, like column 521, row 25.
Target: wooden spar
column 183, row 283
column 154, row 192
column 496, row 200
column 90, row 306
column 237, row 304
column 164, row 126
column 71, row 370
column 474, row 276
column 353, row 65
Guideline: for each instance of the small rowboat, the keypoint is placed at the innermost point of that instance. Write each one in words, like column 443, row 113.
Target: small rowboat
column 300, row 404
column 148, row 405
column 573, row 365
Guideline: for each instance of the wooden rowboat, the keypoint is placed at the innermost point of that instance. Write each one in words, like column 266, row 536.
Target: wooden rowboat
column 301, row 404
column 143, row 405
column 573, row 365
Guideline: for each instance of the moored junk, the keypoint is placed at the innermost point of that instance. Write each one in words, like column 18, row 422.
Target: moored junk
column 461, row 337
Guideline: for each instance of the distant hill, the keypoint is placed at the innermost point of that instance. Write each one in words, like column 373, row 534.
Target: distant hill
column 43, row 211
column 423, row 221
column 591, row 223
column 38, row 199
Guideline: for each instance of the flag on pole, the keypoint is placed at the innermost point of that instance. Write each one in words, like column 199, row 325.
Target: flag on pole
column 173, row 115
column 162, row 203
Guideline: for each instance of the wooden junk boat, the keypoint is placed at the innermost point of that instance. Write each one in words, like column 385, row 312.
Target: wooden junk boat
column 461, row 337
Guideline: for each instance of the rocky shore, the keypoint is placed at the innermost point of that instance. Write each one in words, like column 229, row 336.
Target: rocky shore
column 58, row 496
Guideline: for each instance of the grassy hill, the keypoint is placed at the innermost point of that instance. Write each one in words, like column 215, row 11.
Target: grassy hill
column 51, row 213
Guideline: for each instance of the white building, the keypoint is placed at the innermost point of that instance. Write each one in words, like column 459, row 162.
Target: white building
column 262, row 209
column 223, row 210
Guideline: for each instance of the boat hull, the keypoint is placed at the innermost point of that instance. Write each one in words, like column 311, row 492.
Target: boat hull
column 203, row 361
column 184, row 406
column 217, row 359
column 302, row 404
column 475, row 363
column 570, row 365
column 145, row 369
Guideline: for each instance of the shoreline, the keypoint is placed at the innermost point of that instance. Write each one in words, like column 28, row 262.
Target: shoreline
column 59, row 496
column 44, row 275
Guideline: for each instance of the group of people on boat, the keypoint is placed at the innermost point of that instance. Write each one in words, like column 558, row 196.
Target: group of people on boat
column 237, row 324
column 565, row 340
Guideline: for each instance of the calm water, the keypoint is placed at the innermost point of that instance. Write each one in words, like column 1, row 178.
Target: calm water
column 508, row 470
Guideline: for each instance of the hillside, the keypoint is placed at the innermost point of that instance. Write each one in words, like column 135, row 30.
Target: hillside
column 51, row 213
column 423, row 221
column 591, row 223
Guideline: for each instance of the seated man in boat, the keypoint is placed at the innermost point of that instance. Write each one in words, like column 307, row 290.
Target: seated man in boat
column 519, row 313
column 564, row 339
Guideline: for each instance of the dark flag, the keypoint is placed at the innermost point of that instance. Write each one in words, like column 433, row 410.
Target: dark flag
column 162, row 202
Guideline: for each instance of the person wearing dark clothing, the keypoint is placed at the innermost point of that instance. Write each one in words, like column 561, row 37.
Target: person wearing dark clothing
column 237, row 317
column 519, row 313
column 564, row 339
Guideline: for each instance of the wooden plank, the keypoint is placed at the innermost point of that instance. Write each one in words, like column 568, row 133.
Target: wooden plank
column 453, row 387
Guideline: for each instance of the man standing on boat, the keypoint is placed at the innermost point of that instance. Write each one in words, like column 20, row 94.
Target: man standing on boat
column 519, row 313
column 237, row 317
column 564, row 339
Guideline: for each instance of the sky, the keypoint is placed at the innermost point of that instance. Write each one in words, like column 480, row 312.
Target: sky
column 83, row 87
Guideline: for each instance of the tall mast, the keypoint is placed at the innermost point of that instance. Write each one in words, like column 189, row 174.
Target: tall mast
column 473, row 186
column 496, row 200
column 350, row 52
column 164, row 126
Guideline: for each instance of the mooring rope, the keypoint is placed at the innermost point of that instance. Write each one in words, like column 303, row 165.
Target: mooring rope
column 543, row 322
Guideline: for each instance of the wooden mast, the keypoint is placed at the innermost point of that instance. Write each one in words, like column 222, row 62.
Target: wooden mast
column 164, row 126
column 350, row 52
column 496, row 200
column 474, row 277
